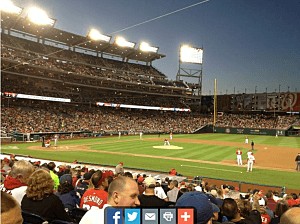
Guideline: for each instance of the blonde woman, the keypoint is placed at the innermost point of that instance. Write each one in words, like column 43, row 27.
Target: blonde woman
column 40, row 198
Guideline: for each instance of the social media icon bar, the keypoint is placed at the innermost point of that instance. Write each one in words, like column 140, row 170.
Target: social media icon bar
column 132, row 216
column 185, row 216
column 167, row 216
column 114, row 216
column 150, row 216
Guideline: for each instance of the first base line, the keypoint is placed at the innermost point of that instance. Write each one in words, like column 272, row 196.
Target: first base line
column 212, row 168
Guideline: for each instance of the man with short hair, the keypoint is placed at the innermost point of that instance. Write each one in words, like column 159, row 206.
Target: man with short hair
column 123, row 191
column 96, row 197
column 230, row 210
column 51, row 167
column 173, row 193
column 291, row 216
column 271, row 203
column 149, row 199
column 10, row 210
column 16, row 183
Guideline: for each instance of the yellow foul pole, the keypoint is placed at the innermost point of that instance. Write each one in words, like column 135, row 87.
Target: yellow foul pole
column 215, row 104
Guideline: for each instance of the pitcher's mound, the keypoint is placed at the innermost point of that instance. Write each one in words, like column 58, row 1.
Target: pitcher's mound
column 168, row 147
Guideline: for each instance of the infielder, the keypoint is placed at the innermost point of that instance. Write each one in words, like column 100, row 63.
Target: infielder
column 141, row 135
column 239, row 157
column 55, row 140
column 166, row 142
column 171, row 136
column 119, row 134
column 48, row 143
column 246, row 140
column 276, row 136
column 251, row 161
column 249, row 153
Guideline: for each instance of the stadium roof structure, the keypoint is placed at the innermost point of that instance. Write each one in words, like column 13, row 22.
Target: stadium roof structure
column 49, row 33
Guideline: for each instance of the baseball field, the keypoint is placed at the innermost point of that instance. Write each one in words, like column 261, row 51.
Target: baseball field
column 210, row 155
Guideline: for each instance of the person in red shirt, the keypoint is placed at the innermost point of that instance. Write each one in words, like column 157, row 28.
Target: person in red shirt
column 173, row 172
column 96, row 196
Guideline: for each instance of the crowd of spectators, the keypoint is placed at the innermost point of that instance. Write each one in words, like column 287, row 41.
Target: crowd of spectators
column 108, row 120
column 33, row 187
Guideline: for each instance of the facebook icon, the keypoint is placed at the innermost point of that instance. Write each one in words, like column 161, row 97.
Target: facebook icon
column 113, row 216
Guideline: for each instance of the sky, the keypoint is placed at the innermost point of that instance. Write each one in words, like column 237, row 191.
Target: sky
column 247, row 44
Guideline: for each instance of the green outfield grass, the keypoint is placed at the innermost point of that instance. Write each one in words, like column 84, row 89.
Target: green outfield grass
column 214, row 153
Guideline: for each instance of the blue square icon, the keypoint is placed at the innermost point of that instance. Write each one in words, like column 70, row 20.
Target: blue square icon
column 113, row 216
column 132, row 216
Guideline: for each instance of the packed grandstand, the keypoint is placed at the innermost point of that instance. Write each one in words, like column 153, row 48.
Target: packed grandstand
column 51, row 65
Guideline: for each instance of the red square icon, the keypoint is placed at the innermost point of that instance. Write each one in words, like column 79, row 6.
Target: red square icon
column 185, row 216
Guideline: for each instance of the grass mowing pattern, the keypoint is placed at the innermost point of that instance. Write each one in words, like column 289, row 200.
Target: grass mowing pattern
column 191, row 151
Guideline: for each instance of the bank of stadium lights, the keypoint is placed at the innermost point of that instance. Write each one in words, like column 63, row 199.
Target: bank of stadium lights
column 97, row 36
column 190, row 54
column 39, row 17
column 124, row 43
column 147, row 48
column 8, row 6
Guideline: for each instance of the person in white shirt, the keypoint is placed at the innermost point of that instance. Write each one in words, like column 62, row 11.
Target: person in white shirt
column 251, row 161
column 122, row 192
column 159, row 192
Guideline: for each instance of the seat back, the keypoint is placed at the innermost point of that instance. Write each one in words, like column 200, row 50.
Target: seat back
column 30, row 218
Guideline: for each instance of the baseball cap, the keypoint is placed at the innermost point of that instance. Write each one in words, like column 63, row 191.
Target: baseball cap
column 103, row 177
column 6, row 160
column 215, row 208
column 66, row 178
column 121, row 163
column 140, row 179
column 262, row 202
column 149, row 181
column 200, row 202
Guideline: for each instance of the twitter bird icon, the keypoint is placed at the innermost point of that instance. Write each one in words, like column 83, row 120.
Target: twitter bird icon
column 132, row 216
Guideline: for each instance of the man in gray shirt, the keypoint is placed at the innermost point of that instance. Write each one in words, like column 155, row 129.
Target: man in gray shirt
column 173, row 193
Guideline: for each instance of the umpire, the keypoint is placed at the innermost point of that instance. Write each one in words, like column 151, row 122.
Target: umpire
column 298, row 162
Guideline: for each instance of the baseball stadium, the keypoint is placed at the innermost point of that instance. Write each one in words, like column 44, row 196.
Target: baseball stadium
column 97, row 100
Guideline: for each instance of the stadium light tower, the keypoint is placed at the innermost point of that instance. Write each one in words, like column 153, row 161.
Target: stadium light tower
column 40, row 17
column 95, row 35
column 147, row 48
column 8, row 6
column 193, row 57
column 120, row 41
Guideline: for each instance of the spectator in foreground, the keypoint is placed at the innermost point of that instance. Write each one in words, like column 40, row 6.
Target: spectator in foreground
column 233, row 214
column 281, row 207
column 200, row 202
column 81, row 189
column 51, row 167
column 10, row 210
column 149, row 199
column 66, row 193
column 16, row 183
column 292, row 216
column 96, row 197
column 40, row 200
column 173, row 193
column 123, row 191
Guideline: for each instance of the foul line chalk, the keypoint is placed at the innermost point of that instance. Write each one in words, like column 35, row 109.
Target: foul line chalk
column 212, row 168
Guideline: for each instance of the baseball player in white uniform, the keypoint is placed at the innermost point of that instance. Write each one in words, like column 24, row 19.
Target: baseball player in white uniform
column 141, row 135
column 249, row 153
column 239, row 157
column 166, row 142
column 246, row 140
column 171, row 136
column 119, row 134
column 251, row 161
column 276, row 136
column 55, row 140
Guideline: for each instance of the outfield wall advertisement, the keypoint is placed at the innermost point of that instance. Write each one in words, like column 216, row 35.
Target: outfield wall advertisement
column 249, row 131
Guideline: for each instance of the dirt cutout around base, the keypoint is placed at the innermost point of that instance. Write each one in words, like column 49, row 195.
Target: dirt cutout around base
column 167, row 147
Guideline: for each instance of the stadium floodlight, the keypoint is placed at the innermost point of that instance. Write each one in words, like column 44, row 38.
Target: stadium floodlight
column 147, row 48
column 39, row 17
column 124, row 43
column 191, row 54
column 8, row 6
column 96, row 35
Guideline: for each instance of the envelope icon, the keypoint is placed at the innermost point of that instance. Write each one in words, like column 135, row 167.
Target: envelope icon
column 150, row 216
